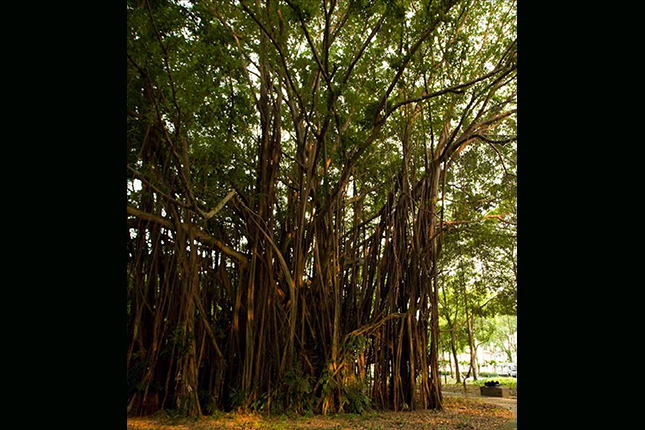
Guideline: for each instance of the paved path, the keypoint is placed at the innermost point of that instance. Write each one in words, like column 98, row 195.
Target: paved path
column 510, row 425
column 506, row 402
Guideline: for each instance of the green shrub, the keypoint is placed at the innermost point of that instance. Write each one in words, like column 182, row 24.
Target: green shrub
column 505, row 382
column 297, row 391
column 355, row 398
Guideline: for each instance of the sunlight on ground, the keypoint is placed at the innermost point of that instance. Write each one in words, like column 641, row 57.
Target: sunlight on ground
column 459, row 414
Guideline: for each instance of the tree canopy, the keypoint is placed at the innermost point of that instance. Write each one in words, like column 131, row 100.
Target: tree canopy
column 306, row 180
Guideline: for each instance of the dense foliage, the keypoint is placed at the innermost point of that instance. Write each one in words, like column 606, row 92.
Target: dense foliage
column 312, row 186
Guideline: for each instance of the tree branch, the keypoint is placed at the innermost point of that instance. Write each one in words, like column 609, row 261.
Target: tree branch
column 221, row 204
column 456, row 90
column 283, row 61
column 198, row 234
column 143, row 179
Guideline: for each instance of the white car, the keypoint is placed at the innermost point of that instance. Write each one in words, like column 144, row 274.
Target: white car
column 508, row 369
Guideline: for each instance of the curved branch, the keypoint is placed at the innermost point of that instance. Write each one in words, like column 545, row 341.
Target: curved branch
column 456, row 90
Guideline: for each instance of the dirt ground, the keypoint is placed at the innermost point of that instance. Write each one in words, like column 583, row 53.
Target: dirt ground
column 460, row 414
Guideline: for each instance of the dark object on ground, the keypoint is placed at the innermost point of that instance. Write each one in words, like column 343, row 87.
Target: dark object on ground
column 491, row 384
column 494, row 391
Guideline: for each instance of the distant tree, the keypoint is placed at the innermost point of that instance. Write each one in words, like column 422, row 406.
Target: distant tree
column 505, row 335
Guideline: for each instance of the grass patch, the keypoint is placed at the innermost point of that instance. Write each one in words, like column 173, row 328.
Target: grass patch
column 505, row 382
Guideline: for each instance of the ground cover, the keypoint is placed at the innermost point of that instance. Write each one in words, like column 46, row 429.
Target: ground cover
column 459, row 414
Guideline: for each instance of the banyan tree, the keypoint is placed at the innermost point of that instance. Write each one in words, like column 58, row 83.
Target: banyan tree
column 286, row 173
